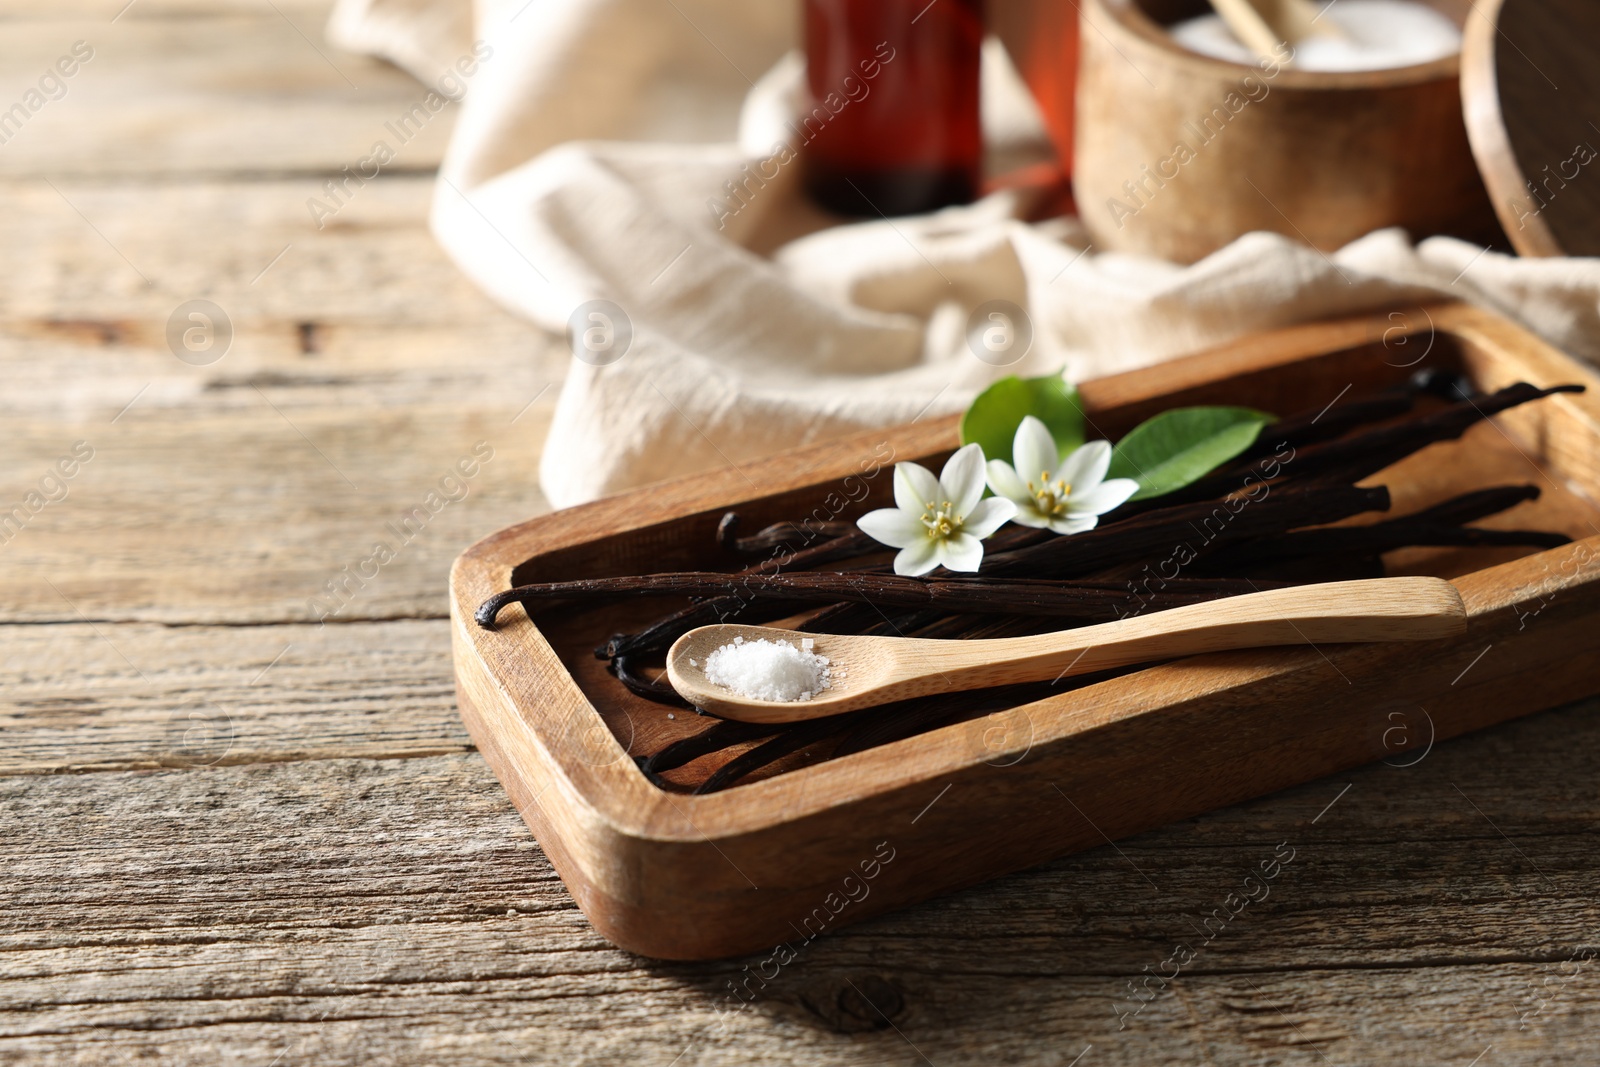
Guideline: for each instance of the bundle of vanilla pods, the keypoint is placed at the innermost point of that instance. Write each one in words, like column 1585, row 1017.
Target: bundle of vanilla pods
column 1260, row 522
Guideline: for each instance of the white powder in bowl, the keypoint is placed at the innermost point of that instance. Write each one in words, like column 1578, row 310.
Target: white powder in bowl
column 1379, row 35
column 769, row 670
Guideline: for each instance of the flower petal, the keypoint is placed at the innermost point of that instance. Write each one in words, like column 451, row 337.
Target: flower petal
column 1102, row 498
column 919, row 558
column 989, row 516
column 914, row 487
column 963, row 552
column 1033, row 517
column 1086, row 467
column 962, row 478
column 1003, row 480
column 893, row 527
column 1033, row 450
column 1073, row 524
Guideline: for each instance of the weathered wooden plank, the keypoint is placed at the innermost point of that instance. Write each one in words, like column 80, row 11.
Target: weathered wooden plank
column 77, row 698
column 235, row 92
column 86, row 372
column 98, row 251
column 248, row 515
column 335, row 911
column 366, row 313
column 543, row 1007
column 362, row 370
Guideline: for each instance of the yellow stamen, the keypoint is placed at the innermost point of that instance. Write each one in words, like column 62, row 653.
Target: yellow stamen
column 940, row 522
column 1050, row 498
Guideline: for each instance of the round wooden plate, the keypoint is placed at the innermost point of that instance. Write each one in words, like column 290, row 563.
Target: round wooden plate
column 1530, row 87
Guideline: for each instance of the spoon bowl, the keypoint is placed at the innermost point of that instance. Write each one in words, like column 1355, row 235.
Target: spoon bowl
column 878, row 670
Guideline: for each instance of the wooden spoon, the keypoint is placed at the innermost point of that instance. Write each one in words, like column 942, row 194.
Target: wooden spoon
column 878, row 670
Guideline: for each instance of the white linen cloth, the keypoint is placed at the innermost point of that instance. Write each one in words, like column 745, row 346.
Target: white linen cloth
column 597, row 135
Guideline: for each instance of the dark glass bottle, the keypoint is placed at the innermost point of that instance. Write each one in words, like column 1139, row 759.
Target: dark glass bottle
column 893, row 124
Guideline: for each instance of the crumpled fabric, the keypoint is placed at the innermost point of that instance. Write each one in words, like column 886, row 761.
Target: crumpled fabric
column 590, row 162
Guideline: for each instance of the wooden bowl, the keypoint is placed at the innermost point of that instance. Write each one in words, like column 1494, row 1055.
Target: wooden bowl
column 1531, row 89
column 1324, row 157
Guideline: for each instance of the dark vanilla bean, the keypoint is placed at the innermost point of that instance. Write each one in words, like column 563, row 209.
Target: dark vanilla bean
column 1294, row 431
column 1309, row 570
column 1377, row 539
column 1475, row 505
column 1353, row 457
column 908, row 718
column 794, row 738
column 1137, row 598
column 790, row 535
column 1436, row 526
column 661, row 633
column 1341, row 416
column 839, row 618
column 658, row 690
column 721, row 734
column 1265, row 462
column 1189, row 530
column 1200, row 527
column 1363, row 454
column 1324, row 424
column 1059, row 599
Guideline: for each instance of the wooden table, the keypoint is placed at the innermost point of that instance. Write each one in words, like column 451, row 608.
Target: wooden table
column 231, row 834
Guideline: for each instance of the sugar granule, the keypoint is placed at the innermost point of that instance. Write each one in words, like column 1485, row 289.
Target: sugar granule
column 768, row 670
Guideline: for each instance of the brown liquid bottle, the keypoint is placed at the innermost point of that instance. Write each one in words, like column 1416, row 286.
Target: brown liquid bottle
column 893, row 126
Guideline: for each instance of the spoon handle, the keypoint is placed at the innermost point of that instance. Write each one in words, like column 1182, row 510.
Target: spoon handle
column 1379, row 609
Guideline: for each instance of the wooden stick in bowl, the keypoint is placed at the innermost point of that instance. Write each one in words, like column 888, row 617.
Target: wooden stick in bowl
column 1262, row 25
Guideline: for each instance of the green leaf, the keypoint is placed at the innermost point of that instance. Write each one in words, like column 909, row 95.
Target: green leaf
column 1183, row 445
column 994, row 416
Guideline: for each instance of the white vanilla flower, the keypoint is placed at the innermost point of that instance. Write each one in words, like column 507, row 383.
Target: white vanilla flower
column 939, row 520
column 1068, row 496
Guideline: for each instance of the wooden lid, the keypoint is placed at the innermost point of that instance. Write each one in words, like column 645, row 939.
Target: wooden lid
column 1530, row 87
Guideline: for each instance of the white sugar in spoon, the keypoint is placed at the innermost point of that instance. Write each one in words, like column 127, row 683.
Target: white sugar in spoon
column 878, row 670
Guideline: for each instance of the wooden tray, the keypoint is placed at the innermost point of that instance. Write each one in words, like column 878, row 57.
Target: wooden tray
column 817, row 844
